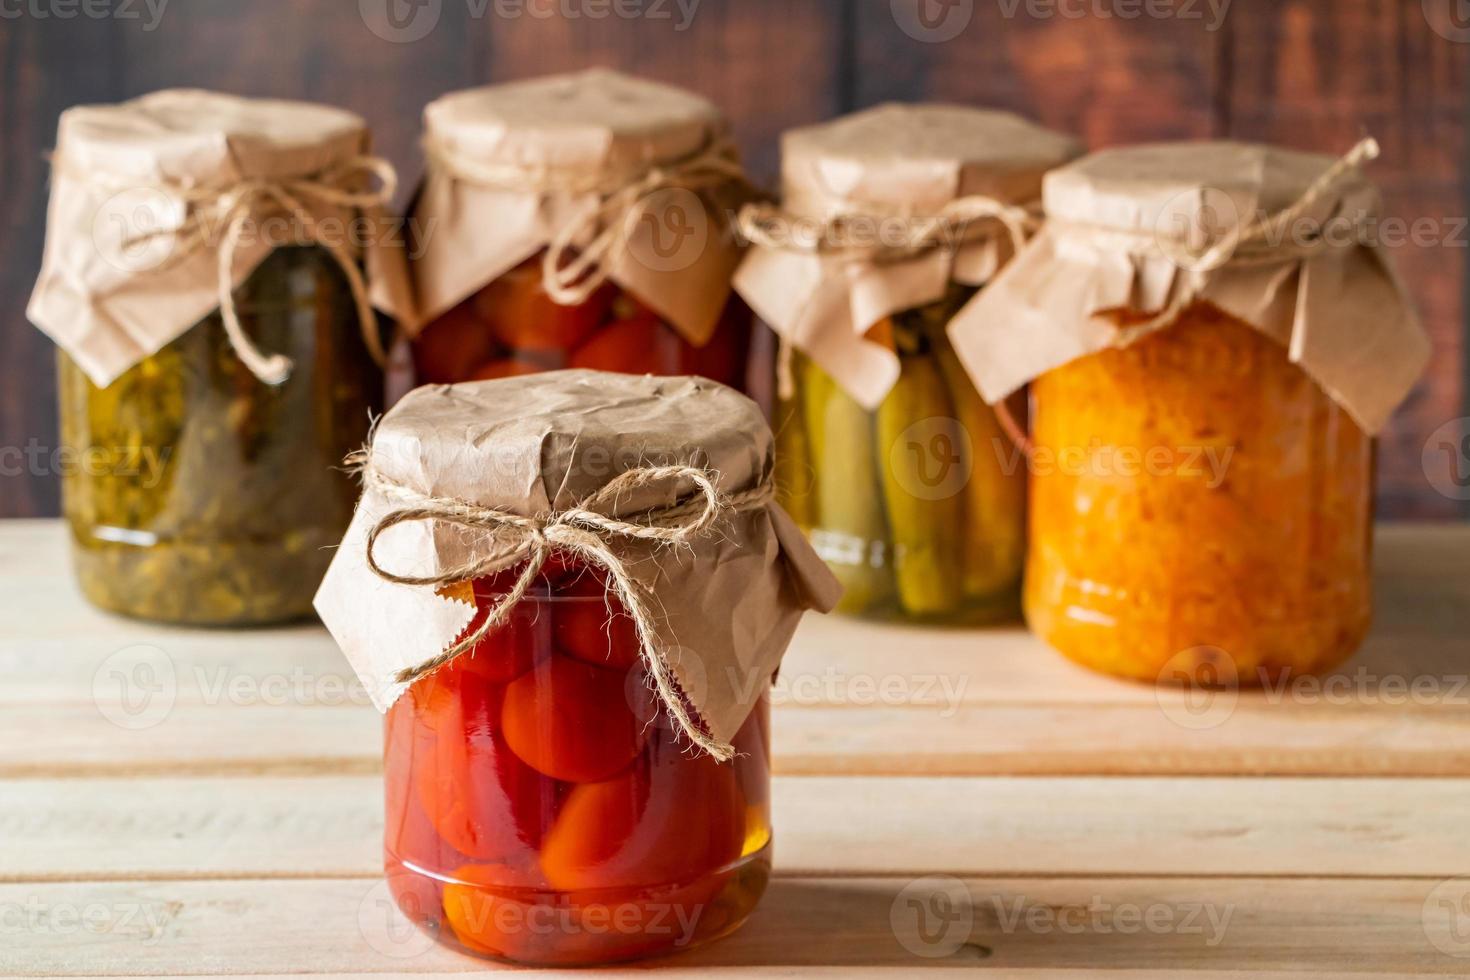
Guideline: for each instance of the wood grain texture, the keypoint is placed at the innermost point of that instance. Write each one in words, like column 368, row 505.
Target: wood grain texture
column 175, row 827
column 1318, row 75
column 105, row 695
column 1309, row 73
column 344, row 926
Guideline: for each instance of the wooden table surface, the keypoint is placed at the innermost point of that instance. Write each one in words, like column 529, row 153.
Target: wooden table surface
column 178, row 802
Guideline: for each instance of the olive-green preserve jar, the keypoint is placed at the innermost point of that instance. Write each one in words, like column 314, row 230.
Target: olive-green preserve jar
column 204, row 480
column 219, row 496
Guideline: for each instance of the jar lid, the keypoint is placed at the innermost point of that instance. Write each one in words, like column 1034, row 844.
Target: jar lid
column 1284, row 241
column 662, row 483
column 158, row 214
column 1171, row 188
column 916, row 158
column 198, row 137
column 595, row 120
column 883, row 211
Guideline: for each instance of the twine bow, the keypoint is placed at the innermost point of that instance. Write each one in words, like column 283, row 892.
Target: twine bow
column 962, row 221
column 579, row 257
column 1261, row 241
column 586, row 531
column 231, row 206
column 965, row 220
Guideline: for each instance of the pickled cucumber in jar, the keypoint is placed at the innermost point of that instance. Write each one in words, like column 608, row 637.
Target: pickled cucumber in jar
column 198, row 493
column 917, row 507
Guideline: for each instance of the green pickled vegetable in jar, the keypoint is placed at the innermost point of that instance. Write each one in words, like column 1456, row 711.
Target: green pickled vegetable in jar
column 906, row 482
column 213, row 276
column 201, row 495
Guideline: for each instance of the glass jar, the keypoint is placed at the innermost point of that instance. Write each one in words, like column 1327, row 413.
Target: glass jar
column 512, row 327
column 540, row 809
column 919, row 507
column 1200, row 510
column 199, row 494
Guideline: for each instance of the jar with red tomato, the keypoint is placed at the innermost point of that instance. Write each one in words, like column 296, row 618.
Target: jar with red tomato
column 541, row 807
column 579, row 221
column 572, row 627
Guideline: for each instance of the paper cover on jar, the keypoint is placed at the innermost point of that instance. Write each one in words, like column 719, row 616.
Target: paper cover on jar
column 535, row 453
column 1285, row 241
column 881, row 210
column 147, row 196
column 631, row 178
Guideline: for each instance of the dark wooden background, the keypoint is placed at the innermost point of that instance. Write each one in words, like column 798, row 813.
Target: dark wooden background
column 1315, row 74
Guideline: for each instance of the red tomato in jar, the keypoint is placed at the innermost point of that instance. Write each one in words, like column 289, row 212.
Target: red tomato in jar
column 723, row 358
column 571, row 720
column 522, row 639
column 631, row 346
column 670, row 818
column 504, row 367
column 452, row 346
column 489, row 918
column 595, row 628
column 524, row 318
column 481, row 798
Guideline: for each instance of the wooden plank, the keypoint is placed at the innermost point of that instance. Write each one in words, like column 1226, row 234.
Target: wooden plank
column 1073, row 66
column 46, row 65
column 1176, row 925
column 1317, row 75
column 769, row 64
column 331, row 826
column 105, row 695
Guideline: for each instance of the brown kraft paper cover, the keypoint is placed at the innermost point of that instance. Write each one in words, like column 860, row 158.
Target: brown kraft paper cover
column 881, row 211
column 1279, row 239
column 515, row 168
column 142, row 196
column 724, row 602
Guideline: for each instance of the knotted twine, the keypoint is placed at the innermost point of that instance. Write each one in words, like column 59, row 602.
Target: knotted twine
column 1260, row 242
column 587, row 531
column 572, row 272
column 231, row 206
column 965, row 220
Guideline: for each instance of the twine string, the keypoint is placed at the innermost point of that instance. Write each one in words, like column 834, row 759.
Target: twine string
column 966, row 220
column 585, row 531
column 579, row 258
column 233, row 206
column 1259, row 242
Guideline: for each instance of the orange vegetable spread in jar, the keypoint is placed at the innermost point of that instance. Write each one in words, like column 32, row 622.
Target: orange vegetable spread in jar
column 1173, row 517
column 579, row 221
column 570, row 594
column 1204, row 393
